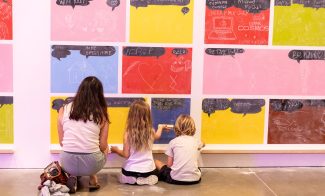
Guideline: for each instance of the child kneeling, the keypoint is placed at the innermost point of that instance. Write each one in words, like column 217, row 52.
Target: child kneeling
column 182, row 163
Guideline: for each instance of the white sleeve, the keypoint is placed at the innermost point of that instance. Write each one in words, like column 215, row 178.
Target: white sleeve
column 169, row 150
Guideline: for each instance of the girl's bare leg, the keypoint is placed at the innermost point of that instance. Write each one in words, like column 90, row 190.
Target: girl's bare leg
column 159, row 164
column 93, row 180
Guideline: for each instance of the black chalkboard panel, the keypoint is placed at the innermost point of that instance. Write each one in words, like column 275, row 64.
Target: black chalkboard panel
column 255, row 6
column 5, row 100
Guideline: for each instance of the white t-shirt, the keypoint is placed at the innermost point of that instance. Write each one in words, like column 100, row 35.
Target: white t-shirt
column 79, row 136
column 140, row 161
column 184, row 150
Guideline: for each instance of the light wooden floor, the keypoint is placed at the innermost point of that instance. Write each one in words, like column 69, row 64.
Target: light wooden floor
column 295, row 181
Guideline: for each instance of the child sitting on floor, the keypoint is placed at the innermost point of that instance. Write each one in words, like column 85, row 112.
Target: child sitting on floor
column 139, row 168
column 182, row 163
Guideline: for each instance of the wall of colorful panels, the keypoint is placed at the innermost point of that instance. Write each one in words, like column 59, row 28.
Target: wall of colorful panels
column 253, row 74
column 248, row 72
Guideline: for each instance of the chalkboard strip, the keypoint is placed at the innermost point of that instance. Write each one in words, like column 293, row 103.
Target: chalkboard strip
column 6, row 149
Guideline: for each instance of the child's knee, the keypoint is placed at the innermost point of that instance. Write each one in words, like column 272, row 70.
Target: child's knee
column 159, row 164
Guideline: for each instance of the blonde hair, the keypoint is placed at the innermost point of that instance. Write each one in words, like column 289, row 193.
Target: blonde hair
column 184, row 125
column 139, row 129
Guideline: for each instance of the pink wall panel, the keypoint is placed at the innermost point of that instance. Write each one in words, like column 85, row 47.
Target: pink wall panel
column 96, row 21
column 263, row 72
column 6, row 68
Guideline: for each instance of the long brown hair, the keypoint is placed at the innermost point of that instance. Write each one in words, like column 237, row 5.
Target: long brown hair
column 140, row 134
column 89, row 102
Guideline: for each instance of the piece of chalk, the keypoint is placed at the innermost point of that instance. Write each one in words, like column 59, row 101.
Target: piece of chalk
column 168, row 126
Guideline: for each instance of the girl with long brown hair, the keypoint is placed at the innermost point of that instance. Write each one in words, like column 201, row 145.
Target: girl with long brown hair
column 83, row 130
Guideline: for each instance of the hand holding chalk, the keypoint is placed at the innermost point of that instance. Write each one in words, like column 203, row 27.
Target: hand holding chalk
column 170, row 126
column 167, row 127
column 114, row 149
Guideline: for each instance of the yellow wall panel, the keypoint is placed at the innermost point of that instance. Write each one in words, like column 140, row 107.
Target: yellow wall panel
column 226, row 127
column 161, row 24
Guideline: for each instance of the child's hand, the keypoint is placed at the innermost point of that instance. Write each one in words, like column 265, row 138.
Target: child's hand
column 202, row 145
column 165, row 127
column 106, row 151
column 114, row 149
column 162, row 127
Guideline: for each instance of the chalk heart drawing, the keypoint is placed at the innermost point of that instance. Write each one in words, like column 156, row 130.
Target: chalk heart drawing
column 150, row 73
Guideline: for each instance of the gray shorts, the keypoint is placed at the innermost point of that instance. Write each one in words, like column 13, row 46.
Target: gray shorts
column 82, row 164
